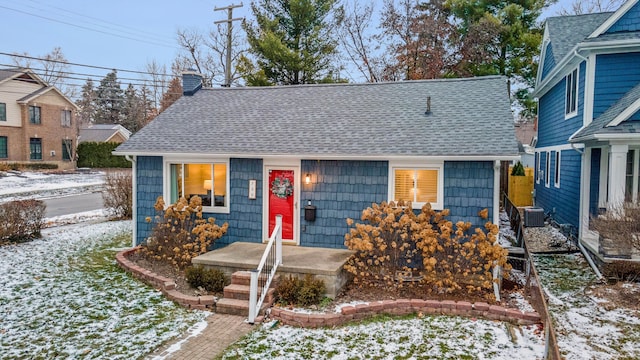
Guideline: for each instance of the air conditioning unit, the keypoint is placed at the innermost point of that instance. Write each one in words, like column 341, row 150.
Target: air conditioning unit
column 533, row 217
column 53, row 153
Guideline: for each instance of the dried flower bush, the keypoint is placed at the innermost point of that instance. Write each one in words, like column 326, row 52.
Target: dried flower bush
column 393, row 244
column 181, row 233
column 118, row 193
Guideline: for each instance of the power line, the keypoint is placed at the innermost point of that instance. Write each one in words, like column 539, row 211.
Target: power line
column 84, row 65
column 85, row 27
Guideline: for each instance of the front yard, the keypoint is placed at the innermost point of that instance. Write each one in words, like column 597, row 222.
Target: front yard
column 63, row 296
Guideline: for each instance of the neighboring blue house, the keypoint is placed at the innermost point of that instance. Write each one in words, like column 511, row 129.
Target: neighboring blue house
column 255, row 152
column 588, row 142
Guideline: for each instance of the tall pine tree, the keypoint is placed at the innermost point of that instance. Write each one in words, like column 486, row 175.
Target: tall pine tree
column 109, row 100
column 291, row 41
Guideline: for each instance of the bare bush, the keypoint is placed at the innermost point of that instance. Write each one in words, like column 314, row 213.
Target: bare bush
column 21, row 220
column 118, row 193
column 621, row 227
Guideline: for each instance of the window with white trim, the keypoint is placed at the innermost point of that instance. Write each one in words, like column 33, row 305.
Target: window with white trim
column 208, row 180
column 556, row 173
column 547, row 169
column 418, row 184
column 571, row 94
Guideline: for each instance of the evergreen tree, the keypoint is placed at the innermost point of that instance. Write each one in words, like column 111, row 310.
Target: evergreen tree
column 500, row 37
column 292, row 42
column 109, row 101
column 87, row 103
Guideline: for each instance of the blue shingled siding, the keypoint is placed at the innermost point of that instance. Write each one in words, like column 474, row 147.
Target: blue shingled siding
column 616, row 74
column 149, row 187
column 549, row 62
column 628, row 22
column 245, row 215
column 563, row 202
column 553, row 128
column 340, row 190
column 468, row 188
column 595, row 181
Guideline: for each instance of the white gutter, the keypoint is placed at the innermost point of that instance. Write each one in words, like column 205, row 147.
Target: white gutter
column 496, row 193
column 134, row 199
column 174, row 155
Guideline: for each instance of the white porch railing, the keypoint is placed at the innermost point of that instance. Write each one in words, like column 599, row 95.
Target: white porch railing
column 262, row 276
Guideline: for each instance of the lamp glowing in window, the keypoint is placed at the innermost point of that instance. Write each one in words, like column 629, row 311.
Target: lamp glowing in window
column 207, row 185
column 307, row 179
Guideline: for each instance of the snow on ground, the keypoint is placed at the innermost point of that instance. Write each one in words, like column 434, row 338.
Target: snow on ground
column 63, row 296
column 433, row 337
column 584, row 327
column 37, row 185
column 86, row 216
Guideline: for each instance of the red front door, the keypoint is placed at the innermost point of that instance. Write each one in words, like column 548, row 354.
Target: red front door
column 281, row 197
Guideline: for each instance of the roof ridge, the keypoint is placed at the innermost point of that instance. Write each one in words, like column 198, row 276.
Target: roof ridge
column 381, row 83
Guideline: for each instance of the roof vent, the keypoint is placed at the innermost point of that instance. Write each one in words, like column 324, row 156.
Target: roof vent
column 428, row 112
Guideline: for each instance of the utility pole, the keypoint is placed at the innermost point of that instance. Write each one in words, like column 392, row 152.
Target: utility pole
column 229, row 21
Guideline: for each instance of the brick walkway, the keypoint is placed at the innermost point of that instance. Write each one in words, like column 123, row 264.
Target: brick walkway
column 222, row 330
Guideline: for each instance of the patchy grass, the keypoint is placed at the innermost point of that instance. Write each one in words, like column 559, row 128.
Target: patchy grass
column 64, row 296
column 385, row 337
column 586, row 327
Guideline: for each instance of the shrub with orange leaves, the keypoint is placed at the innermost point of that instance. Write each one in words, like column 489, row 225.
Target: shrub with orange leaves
column 394, row 244
column 180, row 232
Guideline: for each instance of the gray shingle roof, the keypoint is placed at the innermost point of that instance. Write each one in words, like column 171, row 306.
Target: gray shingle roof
column 565, row 32
column 468, row 117
column 6, row 73
column 599, row 125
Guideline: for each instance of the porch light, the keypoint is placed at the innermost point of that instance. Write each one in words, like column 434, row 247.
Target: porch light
column 307, row 179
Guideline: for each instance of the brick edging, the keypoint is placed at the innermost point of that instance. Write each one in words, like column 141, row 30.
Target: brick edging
column 165, row 284
column 405, row 307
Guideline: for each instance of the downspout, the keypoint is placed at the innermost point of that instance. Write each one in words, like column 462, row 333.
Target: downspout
column 134, row 198
column 580, row 246
column 576, row 54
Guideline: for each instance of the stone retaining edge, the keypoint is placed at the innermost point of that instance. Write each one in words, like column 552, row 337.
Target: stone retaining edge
column 164, row 284
column 405, row 307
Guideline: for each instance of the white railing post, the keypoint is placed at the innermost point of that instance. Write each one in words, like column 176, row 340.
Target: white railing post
column 279, row 239
column 253, row 296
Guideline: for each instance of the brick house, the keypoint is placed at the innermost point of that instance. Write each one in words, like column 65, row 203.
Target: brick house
column 37, row 122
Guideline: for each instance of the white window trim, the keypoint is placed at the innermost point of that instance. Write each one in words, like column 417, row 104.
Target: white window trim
column 439, row 166
column 556, row 173
column 569, row 115
column 166, row 188
column 547, row 169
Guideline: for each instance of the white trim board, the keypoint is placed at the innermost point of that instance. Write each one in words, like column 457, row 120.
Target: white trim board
column 613, row 19
column 626, row 114
column 559, row 147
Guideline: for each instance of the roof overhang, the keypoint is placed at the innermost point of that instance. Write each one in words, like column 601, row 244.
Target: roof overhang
column 197, row 156
column 613, row 18
column 627, row 137
column 578, row 54
column 36, row 94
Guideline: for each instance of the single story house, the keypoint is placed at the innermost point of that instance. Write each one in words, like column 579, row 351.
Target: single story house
column 103, row 133
column 254, row 152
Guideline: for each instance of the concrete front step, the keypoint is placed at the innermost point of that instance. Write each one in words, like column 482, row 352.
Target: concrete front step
column 237, row 307
column 244, row 278
column 236, row 295
column 241, row 292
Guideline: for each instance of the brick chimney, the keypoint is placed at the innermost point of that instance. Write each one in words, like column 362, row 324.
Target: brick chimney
column 191, row 82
